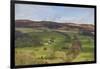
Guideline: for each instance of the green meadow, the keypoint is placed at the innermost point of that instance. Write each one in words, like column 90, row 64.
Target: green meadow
column 40, row 46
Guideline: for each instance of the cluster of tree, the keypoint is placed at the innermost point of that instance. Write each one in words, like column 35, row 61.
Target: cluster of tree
column 25, row 40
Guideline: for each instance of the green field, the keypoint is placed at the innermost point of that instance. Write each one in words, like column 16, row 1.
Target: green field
column 35, row 46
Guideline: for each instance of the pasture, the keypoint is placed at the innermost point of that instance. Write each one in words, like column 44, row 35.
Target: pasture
column 35, row 46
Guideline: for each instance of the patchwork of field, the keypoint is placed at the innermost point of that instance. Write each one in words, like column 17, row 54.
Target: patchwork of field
column 46, row 46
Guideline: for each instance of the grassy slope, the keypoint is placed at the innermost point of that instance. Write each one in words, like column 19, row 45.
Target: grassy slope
column 52, row 53
column 87, row 53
